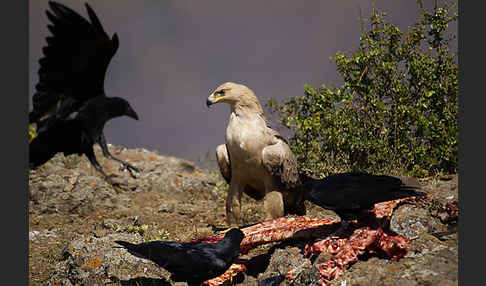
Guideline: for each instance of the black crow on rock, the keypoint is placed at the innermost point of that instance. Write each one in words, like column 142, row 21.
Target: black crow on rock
column 70, row 107
column 351, row 194
column 193, row 262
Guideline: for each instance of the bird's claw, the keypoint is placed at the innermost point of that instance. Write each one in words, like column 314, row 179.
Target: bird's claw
column 130, row 169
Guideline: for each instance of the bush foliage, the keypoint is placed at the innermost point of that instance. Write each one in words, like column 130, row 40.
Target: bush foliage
column 397, row 110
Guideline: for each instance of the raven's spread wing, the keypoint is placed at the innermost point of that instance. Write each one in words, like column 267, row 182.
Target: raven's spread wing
column 74, row 64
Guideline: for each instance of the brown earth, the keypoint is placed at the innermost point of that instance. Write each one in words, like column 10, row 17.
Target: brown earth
column 74, row 217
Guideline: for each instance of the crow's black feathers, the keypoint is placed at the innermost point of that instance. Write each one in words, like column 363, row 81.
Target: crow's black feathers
column 193, row 262
column 349, row 194
column 70, row 108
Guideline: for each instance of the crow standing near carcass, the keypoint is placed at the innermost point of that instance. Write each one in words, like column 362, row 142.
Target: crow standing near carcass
column 70, row 107
column 193, row 262
column 351, row 195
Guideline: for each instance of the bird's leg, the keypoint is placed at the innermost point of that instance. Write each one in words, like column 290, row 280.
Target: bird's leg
column 92, row 158
column 273, row 202
column 273, row 205
column 233, row 204
column 107, row 154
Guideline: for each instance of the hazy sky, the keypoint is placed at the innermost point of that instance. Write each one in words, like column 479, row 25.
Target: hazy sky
column 173, row 53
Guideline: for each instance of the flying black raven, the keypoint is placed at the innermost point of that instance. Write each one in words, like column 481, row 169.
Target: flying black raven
column 350, row 194
column 193, row 262
column 70, row 107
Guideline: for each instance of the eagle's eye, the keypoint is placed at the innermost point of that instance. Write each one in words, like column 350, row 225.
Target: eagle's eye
column 220, row 92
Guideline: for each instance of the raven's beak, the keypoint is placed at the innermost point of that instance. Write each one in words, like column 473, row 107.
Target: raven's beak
column 131, row 113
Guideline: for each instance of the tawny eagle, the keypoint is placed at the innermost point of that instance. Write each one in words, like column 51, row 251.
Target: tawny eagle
column 255, row 159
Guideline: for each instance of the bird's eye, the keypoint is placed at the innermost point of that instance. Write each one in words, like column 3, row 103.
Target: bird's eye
column 220, row 92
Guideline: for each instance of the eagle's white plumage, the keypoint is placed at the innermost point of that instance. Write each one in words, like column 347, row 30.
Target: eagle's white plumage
column 255, row 159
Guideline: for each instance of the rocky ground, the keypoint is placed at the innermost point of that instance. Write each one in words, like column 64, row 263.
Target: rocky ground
column 75, row 216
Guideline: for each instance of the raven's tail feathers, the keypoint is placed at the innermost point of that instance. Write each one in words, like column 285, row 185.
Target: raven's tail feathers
column 133, row 249
column 411, row 186
column 124, row 244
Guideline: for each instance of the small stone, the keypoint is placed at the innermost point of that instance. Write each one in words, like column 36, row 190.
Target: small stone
column 411, row 221
column 166, row 208
column 33, row 235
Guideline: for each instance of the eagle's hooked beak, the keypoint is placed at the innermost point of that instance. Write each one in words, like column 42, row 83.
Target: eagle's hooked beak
column 211, row 100
column 215, row 97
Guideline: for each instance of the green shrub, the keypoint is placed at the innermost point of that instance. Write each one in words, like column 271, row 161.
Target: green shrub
column 397, row 110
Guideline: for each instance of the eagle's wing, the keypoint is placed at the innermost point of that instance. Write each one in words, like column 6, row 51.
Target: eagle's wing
column 74, row 64
column 280, row 161
column 224, row 162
